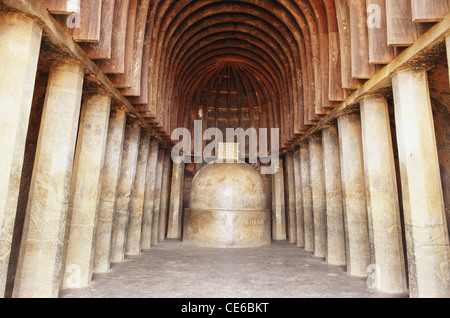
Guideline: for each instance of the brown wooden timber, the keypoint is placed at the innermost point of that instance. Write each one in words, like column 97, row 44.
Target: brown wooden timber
column 58, row 45
column 423, row 54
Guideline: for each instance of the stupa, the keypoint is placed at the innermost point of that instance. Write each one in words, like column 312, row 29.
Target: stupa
column 227, row 207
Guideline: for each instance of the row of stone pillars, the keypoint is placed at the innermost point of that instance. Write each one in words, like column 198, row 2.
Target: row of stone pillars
column 100, row 184
column 343, row 202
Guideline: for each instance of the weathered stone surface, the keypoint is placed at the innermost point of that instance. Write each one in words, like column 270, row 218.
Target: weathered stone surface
column 382, row 197
column 110, row 181
column 85, row 191
column 355, row 213
column 424, row 213
column 157, row 201
column 307, row 198
column 126, row 182
column 299, row 199
column 333, row 191
column 318, row 196
column 176, row 202
column 136, row 207
column 292, row 217
column 227, row 208
column 20, row 40
column 278, row 205
column 149, row 197
column 165, row 193
column 40, row 259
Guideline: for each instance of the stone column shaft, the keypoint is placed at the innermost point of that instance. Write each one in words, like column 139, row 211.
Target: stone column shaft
column 381, row 195
column 110, row 181
column 278, row 205
column 176, row 202
column 157, row 201
column 307, row 198
column 20, row 40
column 333, row 190
column 149, row 200
column 353, row 192
column 299, row 199
column 133, row 245
column 424, row 212
column 40, row 260
column 292, row 218
column 126, row 182
column 85, row 191
column 318, row 196
column 165, row 192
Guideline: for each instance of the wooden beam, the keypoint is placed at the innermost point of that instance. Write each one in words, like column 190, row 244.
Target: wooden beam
column 124, row 79
column 102, row 49
column 58, row 44
column 429, row 11
column 116, row 64
column 379, row 51
column 400, row 27
column 91, row 12
column 64, row 7
column 361, row 69
column 424, row 53
column 343, row 16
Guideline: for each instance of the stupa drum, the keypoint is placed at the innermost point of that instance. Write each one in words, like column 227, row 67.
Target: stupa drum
column 227, row 208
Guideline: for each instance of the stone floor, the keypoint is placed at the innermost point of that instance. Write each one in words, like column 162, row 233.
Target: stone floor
column 174, row 270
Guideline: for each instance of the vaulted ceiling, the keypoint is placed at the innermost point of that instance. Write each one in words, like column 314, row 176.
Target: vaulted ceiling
column 277, row 49
column 243, row 63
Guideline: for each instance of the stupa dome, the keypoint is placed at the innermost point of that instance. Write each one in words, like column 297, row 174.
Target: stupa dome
column 223, row 186
column 227, row 208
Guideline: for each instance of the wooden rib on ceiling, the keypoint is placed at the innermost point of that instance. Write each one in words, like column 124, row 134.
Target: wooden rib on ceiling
column 295, row 55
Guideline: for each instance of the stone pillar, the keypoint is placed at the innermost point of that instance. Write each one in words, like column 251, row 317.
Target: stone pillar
column 318, row 196
column 40, row 259
column 353, row 194
column 425, row 221
column 292, row 217
column 381, row 195
column 278, row 205
column 126, row 182
column 157, row 201
column 176, row 202
column 110, row 181
column 85, row 191
column 307, row 198
column 333, row 191
column 165, row 192
column 20, row 40
column 149, row 199
column 299, row 199
column 133, row 244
